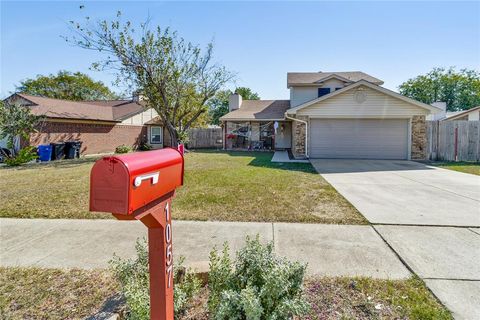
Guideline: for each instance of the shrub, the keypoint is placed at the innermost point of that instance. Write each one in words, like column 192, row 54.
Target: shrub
column 123, row 149
column 134, row 279
column 144, row 147
column 257, row 286
column 183, row 137
column 25, row 155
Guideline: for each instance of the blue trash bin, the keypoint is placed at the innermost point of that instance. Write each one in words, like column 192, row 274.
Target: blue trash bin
column 45, row 152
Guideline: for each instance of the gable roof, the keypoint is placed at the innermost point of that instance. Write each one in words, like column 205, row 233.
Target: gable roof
column 460, row 114
column 309, row 78
column 371, row 86
column 259, row 110
column 112, row 110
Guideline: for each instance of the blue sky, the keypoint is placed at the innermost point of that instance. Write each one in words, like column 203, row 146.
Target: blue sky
column 260, row 41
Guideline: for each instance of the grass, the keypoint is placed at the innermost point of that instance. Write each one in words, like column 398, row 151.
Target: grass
column 53, row 190
column 360, row 299
column 34, row 293
column 226, row 186
column 366, row 298
column 242, row 186
column 465, row 167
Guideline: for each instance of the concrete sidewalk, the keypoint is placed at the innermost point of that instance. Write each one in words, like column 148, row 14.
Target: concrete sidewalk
column 446, row 258
column 329, row 250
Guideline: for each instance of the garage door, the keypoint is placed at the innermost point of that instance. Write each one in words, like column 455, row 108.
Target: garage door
column 359, row 138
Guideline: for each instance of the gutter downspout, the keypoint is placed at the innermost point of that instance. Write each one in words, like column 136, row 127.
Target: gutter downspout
column 306, row 132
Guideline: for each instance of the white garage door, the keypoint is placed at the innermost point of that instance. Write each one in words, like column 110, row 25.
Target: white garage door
column 359, row 138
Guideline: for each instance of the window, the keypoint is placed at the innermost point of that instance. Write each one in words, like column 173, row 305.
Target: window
column 337, row 89
column 323, row 91
column 156, row 136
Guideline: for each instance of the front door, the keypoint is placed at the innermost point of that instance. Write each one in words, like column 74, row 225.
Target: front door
column 283, row 135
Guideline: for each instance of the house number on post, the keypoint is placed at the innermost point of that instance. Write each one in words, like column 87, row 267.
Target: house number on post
column 168, row 249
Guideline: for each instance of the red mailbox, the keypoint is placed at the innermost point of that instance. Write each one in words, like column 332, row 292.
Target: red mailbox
column 125, row 183
column 140, row 186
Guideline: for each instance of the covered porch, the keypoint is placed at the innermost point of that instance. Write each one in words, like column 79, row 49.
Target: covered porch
column 257, row 135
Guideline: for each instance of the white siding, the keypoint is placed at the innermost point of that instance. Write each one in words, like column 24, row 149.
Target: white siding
column 299, row 95
column 376, row 105
column 141, row 118
column 474, row 116
column 333, row 84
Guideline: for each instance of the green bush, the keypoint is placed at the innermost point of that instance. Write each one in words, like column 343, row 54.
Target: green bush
column 183, row 137
column 144, row 147
column 25, row 155
column 257, row 286
column 134, row 279
column 123, row 149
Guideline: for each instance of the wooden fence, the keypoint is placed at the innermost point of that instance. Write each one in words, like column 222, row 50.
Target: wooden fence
column 453, row 140
column 205, row 138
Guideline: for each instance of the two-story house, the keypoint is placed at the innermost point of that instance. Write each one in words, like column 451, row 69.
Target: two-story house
column 331, row 115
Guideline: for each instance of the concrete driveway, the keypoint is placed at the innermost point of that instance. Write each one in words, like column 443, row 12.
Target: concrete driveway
column 429, row 218
column 405, row 192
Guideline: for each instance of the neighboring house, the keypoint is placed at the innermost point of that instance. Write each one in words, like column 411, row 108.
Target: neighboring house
column 100, row 125
column 331, row 115
column 472, row 114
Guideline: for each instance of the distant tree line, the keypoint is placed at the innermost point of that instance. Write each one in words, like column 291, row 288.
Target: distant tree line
column 67, row 85
column 459, row 89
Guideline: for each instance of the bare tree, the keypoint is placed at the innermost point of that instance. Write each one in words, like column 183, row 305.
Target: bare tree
column 176, row 77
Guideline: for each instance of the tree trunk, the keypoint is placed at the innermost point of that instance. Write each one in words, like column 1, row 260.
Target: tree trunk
column 173, row 139
column 11, row 144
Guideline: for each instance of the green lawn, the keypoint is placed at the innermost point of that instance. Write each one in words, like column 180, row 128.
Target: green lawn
column 465, row 167
column 228, row 186
column 366, row 298
column 34, row 293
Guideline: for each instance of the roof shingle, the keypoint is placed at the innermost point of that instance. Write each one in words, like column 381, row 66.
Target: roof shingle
column 259, row 110
column 82, row 110
column 303, row 78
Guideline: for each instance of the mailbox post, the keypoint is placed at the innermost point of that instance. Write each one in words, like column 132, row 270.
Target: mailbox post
column 140, row 186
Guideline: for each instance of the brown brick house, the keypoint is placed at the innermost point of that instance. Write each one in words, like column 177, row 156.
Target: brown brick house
column 101, row 126
column 331, row 115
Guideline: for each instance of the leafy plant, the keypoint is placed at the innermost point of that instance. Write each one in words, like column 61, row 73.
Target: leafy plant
column 16, row 122
column 67, row 85
column 183, row 137
column 25, row 155
column 134, row 278
column 144, row 147
column 176, row 77
column 459, row 89
column 123, row 149
column 257, row 286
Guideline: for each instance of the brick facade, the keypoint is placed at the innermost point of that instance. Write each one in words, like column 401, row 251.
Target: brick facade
column 419, row 138
column 298, row 138
column 95, row 137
